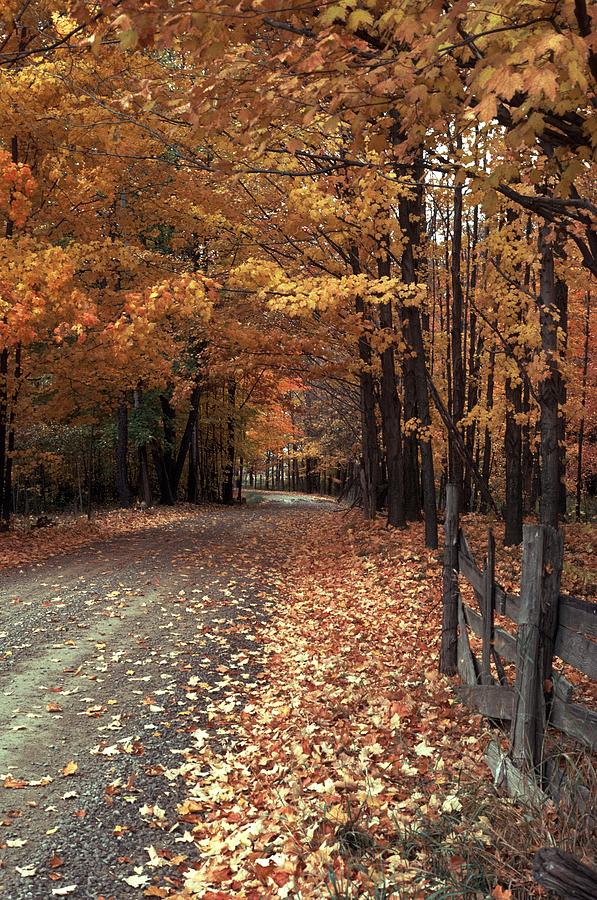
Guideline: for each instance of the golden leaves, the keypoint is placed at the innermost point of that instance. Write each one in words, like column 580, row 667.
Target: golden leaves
column 16, row 188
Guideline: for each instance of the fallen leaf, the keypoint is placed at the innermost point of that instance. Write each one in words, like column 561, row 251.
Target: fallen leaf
column 26, row 871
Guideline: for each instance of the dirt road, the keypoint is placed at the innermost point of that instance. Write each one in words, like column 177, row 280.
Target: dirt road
column 108, row 657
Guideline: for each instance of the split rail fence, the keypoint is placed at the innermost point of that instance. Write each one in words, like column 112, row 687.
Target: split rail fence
column 549, row 624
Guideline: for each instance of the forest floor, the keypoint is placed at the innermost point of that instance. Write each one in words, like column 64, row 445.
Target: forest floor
column 240, row 703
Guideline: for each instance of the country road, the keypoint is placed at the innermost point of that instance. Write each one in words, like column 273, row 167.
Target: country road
column 108, row 657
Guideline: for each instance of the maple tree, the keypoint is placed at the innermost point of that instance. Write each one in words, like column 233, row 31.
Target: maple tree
column 342, row 249
column 361, row 212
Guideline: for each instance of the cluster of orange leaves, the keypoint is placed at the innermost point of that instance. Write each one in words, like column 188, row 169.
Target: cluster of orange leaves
column 28, row 543
column 16, row 188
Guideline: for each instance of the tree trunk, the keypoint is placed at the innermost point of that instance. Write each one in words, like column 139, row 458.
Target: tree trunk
column 144, row 482
column 3, row 424
column 168, row 463
column 370, row 441
column 486, row 468
column 390, row 416
column 228, row 482
column 122, row 442
column 475, row 347
column 10, row 445
column 562, row 306
column 513, row 459
column 581, row 427
column 458, row 386
column 527, row 454
column 192, row 481
column 411, row 213
column 550, row 386
column 167, row 498
column 186, row 440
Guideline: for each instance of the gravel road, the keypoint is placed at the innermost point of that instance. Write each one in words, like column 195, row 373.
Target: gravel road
column 108, row 658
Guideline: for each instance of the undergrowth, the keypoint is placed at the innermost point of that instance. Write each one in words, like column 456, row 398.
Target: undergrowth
column 485, row 849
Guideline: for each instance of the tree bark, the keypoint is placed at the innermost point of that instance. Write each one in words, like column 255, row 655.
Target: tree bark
column 562, row 306
column 228, row 483
column 486, row 468
column 10, row 445
column 144, row 482
column 169, row 445
column 185, row 441
column 581, row 427
column 513, row 460
column 550, row 386
column 410, row 215
column 3, row 423
column 122, row 442
column 370, row 440
column 458, row 386
column 391, row 416
column 167, row 498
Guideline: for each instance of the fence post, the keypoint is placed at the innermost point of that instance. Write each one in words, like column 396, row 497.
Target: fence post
column 526, row 736
column 539, row 599
column 554, row 558
column 488, row 609
column 448, row 662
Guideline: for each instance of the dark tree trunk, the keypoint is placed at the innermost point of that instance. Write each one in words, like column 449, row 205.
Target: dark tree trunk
column 527, row 454
column 550, row 386
column 370, row 440
column 486, row 468
column 458, row 386
column 186, row 440
column 228, row 483
column 414, row 338
column 167, row 498
column 192, row 480
column 3, row 424
column 10, row 445
column 581, row 427
column 562, row 306
column 6, row 416
column 390, row 417
column 410, row 447
column 513, row 459
column 474, row 361
column 411, row 214
column 169, row 424
column 122, row 446
column 144, row 488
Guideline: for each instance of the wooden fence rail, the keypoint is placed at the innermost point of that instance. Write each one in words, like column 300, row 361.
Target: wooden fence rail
column 549, row 624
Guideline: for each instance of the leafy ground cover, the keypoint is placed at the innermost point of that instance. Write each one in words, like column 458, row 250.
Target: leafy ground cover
column 355, row 768
column 309, row 748
column 27, row 543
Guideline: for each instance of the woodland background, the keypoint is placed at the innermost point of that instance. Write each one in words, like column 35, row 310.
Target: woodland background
column 339, row 247
column 345, row 248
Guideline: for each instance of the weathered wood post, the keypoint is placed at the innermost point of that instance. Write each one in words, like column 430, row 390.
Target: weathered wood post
column 564, row 875
column 537, row 623
column 488, row 609
column 448, row 661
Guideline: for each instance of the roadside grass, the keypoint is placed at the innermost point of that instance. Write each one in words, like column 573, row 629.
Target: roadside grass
column 485, row 849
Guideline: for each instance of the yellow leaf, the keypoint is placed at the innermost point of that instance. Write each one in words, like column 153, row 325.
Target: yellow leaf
column 359, row 18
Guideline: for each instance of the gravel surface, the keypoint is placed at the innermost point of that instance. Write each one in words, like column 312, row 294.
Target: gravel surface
column 108, row 659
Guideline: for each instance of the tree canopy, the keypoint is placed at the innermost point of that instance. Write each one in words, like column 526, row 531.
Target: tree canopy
column 346, row 247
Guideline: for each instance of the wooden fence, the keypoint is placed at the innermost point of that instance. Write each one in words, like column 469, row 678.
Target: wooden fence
column 550, row 624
